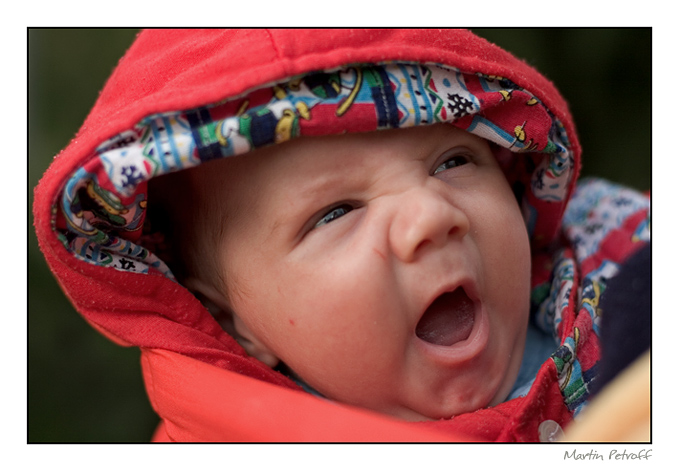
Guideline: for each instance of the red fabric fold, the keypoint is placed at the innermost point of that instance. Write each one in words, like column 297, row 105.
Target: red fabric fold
column 202, row 403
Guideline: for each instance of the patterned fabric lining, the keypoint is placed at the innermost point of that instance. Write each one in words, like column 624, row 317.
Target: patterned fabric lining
column 604, row 222
column 102, row 208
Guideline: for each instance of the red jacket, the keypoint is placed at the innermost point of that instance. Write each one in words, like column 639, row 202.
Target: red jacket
column 90, row 209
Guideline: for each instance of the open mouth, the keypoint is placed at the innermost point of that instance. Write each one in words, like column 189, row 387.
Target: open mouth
column 448, row 320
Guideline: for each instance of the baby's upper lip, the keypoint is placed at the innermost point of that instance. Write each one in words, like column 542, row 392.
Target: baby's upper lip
column 466, row 283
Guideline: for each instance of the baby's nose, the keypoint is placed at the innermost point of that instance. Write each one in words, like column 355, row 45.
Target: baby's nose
column 424, row 218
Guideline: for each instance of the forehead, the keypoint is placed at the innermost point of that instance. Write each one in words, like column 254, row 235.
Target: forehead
column 274, row 179
column 302, row 157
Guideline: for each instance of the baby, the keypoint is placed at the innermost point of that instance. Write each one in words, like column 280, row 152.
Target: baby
column 388, row 270
column 388, row 218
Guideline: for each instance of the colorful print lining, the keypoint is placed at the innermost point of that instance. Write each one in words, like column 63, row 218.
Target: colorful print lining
column 102, row 208
column 605, row 223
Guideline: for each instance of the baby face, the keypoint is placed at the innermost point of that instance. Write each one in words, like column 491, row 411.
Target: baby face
column 388, row 270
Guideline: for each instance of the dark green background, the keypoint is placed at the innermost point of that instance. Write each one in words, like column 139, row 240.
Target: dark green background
column 83, row 388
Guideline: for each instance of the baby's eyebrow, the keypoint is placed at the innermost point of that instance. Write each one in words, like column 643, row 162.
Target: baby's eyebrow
column 304, row 198
column 323, row 183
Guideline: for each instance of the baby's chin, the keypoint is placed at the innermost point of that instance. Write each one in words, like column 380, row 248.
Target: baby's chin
column 426, row 412
column 412, row 415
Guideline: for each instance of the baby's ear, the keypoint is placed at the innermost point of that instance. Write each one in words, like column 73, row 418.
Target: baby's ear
column 219, row 308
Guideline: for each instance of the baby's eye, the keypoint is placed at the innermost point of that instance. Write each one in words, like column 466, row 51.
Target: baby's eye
column 334, row 214
column 451, row 162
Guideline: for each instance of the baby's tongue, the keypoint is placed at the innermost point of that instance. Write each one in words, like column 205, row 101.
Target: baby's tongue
column 448, row 320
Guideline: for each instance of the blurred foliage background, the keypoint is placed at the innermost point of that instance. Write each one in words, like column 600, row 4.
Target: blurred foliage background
column 82, row 387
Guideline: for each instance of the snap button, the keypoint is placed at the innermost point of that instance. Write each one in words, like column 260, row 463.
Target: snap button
column 549, row 431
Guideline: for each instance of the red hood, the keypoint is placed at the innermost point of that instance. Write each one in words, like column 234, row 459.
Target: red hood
column 167, row 71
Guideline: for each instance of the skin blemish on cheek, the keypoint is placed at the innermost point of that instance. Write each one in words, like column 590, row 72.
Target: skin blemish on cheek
column 292, row 323
column 382, row 256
